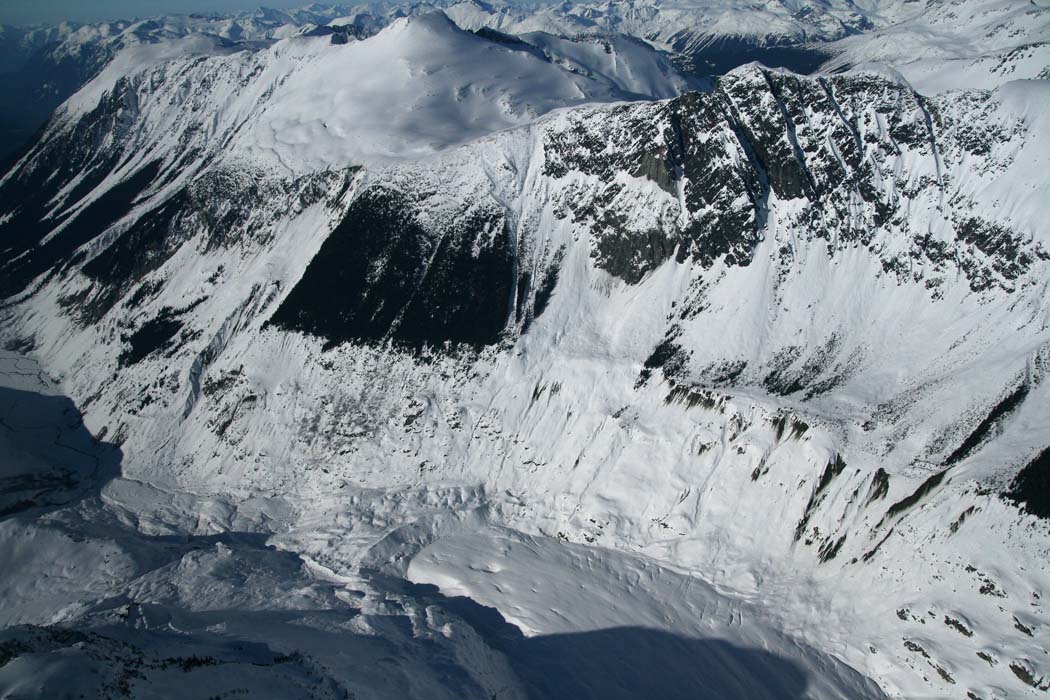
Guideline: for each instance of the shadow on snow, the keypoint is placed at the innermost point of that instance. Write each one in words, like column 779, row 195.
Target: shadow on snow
column 625, row 662
column 48, row 458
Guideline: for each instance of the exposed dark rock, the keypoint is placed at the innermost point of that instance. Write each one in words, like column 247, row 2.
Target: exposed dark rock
column 916, row 647
column 381, row 275
column 692, row 397
column 831, row 549
column 499, row 37
column 998, row 413
column 27, row 228
column 909, row 502
column 961, row 519
column 339, row 35
column 548, row 283
column 151, row 336
column 32, row 201
column 870, row 554
column 724, row 373
column 1027, row 676
column 1004, row 249
column 781, row 380
column 764, row 128
column 667, row 356
column 156, row 334
column 987, row 658
column 1020, row 626
column 958, row 626
column 833, row 468
column 135, row 253
column 787, row 426
column 943, row 673
column 1030, row 489
column 722, row 153
column 629, row 255
column 880, row 485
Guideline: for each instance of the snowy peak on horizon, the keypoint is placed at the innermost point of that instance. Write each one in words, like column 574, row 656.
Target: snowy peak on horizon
column 419, row 85
column 956, row 44
column 677, row 21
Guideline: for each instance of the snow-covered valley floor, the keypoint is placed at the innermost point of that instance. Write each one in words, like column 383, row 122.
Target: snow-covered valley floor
column 114, row 588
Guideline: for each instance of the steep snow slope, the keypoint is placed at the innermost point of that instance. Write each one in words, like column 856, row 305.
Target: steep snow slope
column 305, row 104
column 630, row 64
column 788, row 337
column 43, row 66
column 134, row 592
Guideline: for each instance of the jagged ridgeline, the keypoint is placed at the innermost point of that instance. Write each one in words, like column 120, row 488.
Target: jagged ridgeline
column 836, row 144
column 719, row 156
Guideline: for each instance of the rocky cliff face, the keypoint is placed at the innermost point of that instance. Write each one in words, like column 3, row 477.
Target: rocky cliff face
column 790, row 334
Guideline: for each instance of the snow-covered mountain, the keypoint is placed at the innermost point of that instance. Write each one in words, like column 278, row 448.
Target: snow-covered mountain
column 957, row 45
column 937, row 45
column 684, row 24
column 43, row 66
column 433, row 362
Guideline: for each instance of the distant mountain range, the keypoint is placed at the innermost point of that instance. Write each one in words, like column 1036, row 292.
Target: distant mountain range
column 937, row 45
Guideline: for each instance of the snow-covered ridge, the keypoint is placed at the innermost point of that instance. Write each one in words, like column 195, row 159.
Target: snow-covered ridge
column 413, row 301
column 307, row 103
column 956, row 45
column 938, row 45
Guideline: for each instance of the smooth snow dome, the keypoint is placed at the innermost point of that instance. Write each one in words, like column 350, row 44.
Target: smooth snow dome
column 418, row 86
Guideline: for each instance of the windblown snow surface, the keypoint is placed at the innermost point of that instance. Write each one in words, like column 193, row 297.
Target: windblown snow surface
column 442, row 363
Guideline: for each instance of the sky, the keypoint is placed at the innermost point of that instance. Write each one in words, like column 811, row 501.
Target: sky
column 51, row 11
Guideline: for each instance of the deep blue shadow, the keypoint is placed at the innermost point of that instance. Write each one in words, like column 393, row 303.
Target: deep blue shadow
column 723, row 55
column 624, row 662
column 48, row 458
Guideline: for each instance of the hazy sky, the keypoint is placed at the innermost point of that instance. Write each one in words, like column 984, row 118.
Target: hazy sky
column 34, row 11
